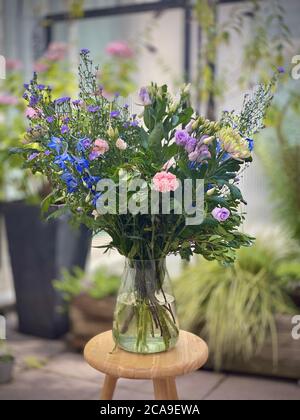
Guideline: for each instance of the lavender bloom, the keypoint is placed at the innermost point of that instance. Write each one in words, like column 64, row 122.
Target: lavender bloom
column 181, row 137
column 84, row 51
column 220, row 214
column 25, row 96
column 50, row 120
column 76, row 102
column 41, row 87
column 200, row 153
column 33, row 100
column 83, row 144
column 64, row 129
column 62, row 100
column 190, row 144
column 281, row 69
column 94, row 155
column 134, row 123
column 47, row 152
column 92, row 108
column 33, row 156
column 114, row 114
column 26, row 85
column 145, row 97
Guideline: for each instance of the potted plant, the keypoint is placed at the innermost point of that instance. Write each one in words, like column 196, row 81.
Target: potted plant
column 6, row 363
column 244, row 312
column 91, row 300
column 123, row 175
column 38, row 249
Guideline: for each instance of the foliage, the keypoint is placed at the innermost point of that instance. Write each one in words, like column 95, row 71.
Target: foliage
column 99, row 284
column 5, row 352
column 234, row 307
column 75, row 143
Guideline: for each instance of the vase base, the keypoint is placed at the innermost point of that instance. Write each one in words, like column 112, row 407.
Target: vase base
column 154, row 345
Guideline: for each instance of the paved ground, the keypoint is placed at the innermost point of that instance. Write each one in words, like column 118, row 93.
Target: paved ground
column 47, row 369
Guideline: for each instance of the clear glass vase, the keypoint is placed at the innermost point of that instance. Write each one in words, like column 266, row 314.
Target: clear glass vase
column 145, row 318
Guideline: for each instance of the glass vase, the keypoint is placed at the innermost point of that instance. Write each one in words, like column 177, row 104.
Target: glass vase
column 145, row 318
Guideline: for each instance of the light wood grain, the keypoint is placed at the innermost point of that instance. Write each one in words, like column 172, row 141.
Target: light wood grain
column 190, row 354
column 165, row 389
column 108, row 389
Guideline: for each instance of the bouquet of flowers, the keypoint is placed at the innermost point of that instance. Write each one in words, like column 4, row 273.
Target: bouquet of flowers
column 101, row 161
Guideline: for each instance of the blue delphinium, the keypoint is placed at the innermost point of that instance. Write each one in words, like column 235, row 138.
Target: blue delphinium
column 83, row 144
column 56, row 144
column 90, row 180
column 81, row 164
column 63, row 159
column 71, row 182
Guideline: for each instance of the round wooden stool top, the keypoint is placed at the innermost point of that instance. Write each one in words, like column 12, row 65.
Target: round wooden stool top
column 190, row 354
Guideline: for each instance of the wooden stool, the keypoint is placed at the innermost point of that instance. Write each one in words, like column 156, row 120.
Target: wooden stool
column 190, row 354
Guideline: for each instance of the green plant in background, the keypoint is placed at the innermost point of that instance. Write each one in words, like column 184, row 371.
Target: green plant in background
column 234, row 308
column 5, row 352
column 99, row 285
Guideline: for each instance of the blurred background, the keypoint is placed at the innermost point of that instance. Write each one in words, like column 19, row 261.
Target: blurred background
column 51, row 285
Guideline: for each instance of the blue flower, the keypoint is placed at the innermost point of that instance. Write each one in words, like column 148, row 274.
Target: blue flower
column 96, row 198
column 63, row 159
column 41, row 87
column 81, row 164
column 90, row 180
column 250, row 144
column 55, row 143
column 83, row 144
column 71, row 181
column 218, row 147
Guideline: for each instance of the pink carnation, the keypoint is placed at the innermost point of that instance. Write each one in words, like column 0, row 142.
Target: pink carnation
column 121, row 144
column 165, row 182
column 31, row 113
column 7, row 99
column 119, row 49
column 100, row 146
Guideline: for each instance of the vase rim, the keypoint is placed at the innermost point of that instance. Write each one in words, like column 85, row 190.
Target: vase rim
column 145, row 260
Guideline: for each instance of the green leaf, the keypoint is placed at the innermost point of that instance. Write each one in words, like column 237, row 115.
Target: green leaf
column 47, row 202
column 156, row 135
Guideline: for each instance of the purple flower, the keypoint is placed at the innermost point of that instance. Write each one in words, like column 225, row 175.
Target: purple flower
column 145, row 97
column 84, row 51
column 126, row 106
column 134, row 123
column 26, row 85
column 181, row 137
column 220, row 213
column 114, row 114
column 64, row 129
column 76, row 102
column 50, row 120
column 62, row 100
column 94, row 155
column 91, row 181
column 33, row 156
column 281, row 69
column 190, row 144
column 126, row 124
column 41, row 87
column 117, row 94
column 92, row 108
column 200, row 153
column 47, row 152
column 25, row 96
column 83, row 144
column 33, row 100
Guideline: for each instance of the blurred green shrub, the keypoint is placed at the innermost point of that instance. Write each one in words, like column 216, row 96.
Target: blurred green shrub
column 234, row 307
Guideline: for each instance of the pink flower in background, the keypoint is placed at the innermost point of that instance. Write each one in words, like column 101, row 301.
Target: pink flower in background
column 165, row 182
column 13, row 64
column 119, row 49
column 56, row 51
column 121, row 144
column 7, row 99
column 220, row 213
column 40, row 67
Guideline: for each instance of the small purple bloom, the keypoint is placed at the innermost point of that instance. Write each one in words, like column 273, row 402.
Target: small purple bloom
column 181, row 137
column 62, row 100
column 33, row 156
column 25, row 96
column 50, row 120
column 64, row 129
column 76, row 102
column 94, row 155
column 190, row 144
column 92, row 108
column 33, row 100
column 55, row 143
column 83, row 144
column 84, row 51
column 117, row 94
column 220, row 213
column 126, row 124
column 126, row 106
column 281, row 69
column 134, row 123
column 145, row 97
column 26, row 85
column 41, row 87
column 114, row 114
column 47, row 152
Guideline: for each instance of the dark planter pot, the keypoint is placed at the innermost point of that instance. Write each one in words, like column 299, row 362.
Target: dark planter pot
column 6, row 370
column 39, row 251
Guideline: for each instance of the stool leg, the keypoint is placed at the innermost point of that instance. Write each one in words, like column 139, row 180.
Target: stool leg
column 165, row 389
column 108, row 387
